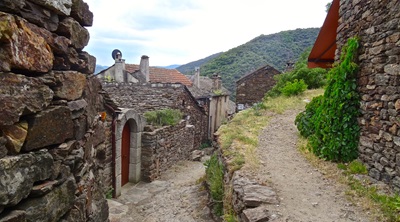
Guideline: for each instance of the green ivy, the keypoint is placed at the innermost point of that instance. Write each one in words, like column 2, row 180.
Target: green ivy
column 333, row 130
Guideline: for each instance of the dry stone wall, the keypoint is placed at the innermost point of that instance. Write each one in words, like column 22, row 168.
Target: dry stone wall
column 377, row 24
column 164, row 147
column 51, row 139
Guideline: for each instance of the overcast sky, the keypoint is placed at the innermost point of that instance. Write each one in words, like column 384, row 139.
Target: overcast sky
column 182, row 31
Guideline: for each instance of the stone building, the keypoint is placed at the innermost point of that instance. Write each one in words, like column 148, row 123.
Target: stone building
column 252, row 87
column 52, row 140
column 214, row 98
column 144, row 152
column 377, row 25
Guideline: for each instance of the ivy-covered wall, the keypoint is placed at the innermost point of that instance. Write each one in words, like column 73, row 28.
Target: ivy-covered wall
column 377, row 24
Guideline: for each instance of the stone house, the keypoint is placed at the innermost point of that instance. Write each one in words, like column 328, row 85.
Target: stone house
column 251, row 88
column 140, row 152
column 214, row 98
column 377, row 25
column 52, row 140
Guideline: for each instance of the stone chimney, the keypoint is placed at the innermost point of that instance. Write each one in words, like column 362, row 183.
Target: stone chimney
column 196, row 77
column 119, row 68
column 216, row 82
column 144, row 67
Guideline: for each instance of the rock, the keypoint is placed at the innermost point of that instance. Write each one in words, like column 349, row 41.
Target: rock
column 13, row 216
column 40, row 16
column 21, row 48
column 86, row 63
column 15, row 135
column 58, row 44
column 255, row 195
column 78, row 213
column 18, row 173
column 392, row 69
column 77, row 105
column 208, row 151
column 49, row 127
column 71, row 85
column 61, row 7
column 21, row 95
column 258, row 214
column 81, row 13
column 13, row 6
column 43, row 188
column 3, row 149
column 71, row 29
column 197, row 154
column 63, row 150
column 53, row 205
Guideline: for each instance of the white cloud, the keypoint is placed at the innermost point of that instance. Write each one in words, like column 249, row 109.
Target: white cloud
column 181, row 31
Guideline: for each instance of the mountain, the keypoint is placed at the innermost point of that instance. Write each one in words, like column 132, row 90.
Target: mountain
column 275, row 50
column 169, row 67
column 189, row 68
column 99, row 68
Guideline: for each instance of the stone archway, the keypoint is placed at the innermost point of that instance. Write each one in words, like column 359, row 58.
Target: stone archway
column 133, row 122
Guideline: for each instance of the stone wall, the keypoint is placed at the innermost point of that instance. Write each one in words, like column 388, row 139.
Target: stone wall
column 377, row 24
column 252, row 88
column 51, row 139
column 150, row 97
column 163, row 147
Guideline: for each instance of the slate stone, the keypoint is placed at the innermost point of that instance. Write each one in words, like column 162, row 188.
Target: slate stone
column 81, row 13
column 71, row 29
column 21, row 48
column 40, row 16
column 71, row 85
column 61, row 7
column 21, row 95
column 49, row 127
column 13, row 216
column 86, row 63
column 18, row 173
column 43, row 188
column 53, row 205
column 13, row 6
column 15, row 135
column 255, row 195
column 258, row 214
column 3, row 149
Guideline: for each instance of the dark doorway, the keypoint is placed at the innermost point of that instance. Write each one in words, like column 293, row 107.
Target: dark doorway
column 126, row 141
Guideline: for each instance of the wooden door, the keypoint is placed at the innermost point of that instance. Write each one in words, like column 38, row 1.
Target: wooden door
column 126, row 140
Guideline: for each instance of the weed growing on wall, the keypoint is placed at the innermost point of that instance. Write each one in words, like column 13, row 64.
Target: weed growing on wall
column 163, row 117
column 331, row 123
column 215, row 181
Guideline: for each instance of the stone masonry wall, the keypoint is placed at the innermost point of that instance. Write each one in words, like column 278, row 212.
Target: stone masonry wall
column 377, row 24
column 51, row 139
column 149, row 97
column 163, row 147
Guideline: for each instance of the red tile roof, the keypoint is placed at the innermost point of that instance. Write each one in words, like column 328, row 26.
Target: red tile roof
column 161, row 75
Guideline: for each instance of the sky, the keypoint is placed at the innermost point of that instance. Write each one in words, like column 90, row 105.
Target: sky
column 182, row 31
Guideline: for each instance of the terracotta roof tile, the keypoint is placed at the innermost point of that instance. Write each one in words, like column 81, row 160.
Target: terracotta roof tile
column 162, row 75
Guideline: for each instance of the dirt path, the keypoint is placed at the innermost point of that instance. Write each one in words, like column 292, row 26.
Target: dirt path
column 304, row 193
column 176, row 197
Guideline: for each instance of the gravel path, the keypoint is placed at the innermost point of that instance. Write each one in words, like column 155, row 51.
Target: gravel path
column 304, row 193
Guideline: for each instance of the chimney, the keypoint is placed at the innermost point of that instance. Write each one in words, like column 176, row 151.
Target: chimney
column 216, row 82
column 196, row 77
column 144, row 67
column 119, row 68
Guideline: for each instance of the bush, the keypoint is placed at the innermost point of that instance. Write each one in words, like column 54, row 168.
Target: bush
column 294, row 88
column 215, row 181
column 305, row 120
column 163, row 117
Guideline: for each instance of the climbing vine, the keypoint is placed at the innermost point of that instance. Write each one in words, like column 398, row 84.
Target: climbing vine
column 330, row 123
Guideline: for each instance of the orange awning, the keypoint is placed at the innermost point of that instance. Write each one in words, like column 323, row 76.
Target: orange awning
column 323, row 52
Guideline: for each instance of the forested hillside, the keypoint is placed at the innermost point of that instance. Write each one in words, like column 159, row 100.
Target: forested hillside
column 189, row 68
column 275, row 49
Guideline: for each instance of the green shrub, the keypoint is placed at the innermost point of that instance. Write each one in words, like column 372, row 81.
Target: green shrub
column 305, row 120
column 163, row 117
column 336, row 131
column 294, row 88
column 215, row 180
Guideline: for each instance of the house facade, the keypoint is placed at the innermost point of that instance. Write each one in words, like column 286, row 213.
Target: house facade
column 252, row 87
column 377, row 26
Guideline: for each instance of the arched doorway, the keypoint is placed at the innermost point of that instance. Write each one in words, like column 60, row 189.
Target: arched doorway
column 127, row 154
column 125, row 150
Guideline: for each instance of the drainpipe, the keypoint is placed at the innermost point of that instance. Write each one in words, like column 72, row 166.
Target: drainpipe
column 113, row 147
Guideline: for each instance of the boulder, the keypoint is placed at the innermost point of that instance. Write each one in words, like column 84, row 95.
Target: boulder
column 21, row 48
column 49, row 127
column 71, row 29
column 61, row 7
column 258, row 214
column 53, row 205
column 255, row 195
column 18, row 173
column 71, row 85
column 81, row 13
column 21, row 95
column 15, row 135
column 13, row 216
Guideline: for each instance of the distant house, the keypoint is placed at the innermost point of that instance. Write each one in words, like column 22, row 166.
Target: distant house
column 214, row 98
column 252, row 87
